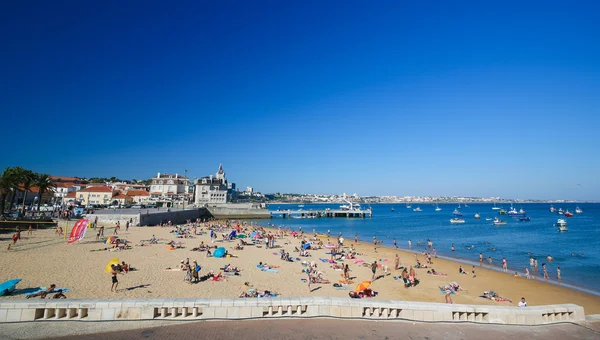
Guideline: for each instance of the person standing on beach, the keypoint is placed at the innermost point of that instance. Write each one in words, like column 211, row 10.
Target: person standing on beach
column 527, row 275
column 452, row 247
column 115, row 280
column 374, row 269
column 375, row 243
column 473, row 272
column 395, row 244
column 396, row 262
column 480, row 259
column 490, row 261
column 356, row 238
column 30, row 231
column 504, row 266
column 409, row 244
column 558, row 273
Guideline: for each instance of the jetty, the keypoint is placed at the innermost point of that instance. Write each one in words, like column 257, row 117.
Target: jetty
column 350, row 210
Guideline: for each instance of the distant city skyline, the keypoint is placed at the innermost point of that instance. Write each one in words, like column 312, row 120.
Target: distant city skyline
column 420, row 99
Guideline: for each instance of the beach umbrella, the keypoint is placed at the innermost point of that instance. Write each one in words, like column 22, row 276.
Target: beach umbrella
column 362, row 286
column 219, row 252
column 111, row 239
column 8, row 287
column 254, row 233
column 306, row 245
column 109, row 265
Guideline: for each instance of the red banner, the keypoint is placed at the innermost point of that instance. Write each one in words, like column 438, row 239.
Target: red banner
column 78, row 231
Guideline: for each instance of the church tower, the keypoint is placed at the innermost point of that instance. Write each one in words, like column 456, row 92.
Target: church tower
column 221, row 174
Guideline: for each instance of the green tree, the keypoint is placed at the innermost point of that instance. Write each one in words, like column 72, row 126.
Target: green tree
column 27, row 179
column 18, row 174
column 6, row 186
column 44, row 184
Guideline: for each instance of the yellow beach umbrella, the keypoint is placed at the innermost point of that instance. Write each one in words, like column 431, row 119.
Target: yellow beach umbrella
column 362, row 286
column 109, row 265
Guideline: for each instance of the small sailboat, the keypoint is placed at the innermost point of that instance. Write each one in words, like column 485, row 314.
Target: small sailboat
column 437, row 208
column 488, row 219
column 417, row 209
column 457, row 221
column 552, row 209
column 392, row 209
column 560, row 211
column 568, row 213
column 408, row 206
column 578, row 210
column 456, row 213
column 477, row 216
column 498, row 222
column 495, row 207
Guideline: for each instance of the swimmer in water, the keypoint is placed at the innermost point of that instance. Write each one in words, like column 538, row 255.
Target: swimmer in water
column 550, row 258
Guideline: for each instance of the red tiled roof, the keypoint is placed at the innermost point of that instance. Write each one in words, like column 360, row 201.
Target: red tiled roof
column 71, row 194
column 121, row 196
column 96, row 189
column 66, row 179
column 138, row 193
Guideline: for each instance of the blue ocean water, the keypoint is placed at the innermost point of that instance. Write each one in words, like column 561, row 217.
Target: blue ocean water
column 514, row 241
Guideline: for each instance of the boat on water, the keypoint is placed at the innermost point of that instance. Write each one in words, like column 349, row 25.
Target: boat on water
column 489, row 219
column 457, row 221
column 578, row 210
column 498, row 221
column 466, row 205
column 552, row 209
column 301, row 206
column 408, row 206
column 525, row 219
column 417, row 209
column 495, row 207
column 514, row 213
column 477, row 216
column 562, row 225
column 392, row 209
column 457, row 213
column 560, row 211
column 563, row 228
column 437, row 208
column 355, row 207
column 568, row 213
column 502, row 212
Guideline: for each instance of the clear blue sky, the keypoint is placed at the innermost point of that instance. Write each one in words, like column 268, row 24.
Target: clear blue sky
column 435, row 98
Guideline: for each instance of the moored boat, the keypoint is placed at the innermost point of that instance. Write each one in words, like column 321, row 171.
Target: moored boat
column 457, row 221
column 563, row 228
column 477, row 216
column 495, row 207
column 502, row 212
column 417, row 209
column 560, row 211
column 578, row 210
column 437, row 208
column 456, row 213
column 498, row 221
column 552, row 209
column 562, row 225
column 568, row 213
column 525, row 219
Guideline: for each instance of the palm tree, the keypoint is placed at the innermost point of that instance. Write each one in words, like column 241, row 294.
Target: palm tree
column 17, row 175
column 6, row 186
column 44, row 183
column 27, row 180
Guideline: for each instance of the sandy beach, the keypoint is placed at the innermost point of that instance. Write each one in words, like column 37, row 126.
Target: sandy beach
column 45, row 258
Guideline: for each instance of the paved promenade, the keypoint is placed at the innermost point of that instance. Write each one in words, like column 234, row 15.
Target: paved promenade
column 292, row 329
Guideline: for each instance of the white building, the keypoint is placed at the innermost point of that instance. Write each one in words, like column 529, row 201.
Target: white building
column 165, row 187
column 214, row 189
column 249, row 190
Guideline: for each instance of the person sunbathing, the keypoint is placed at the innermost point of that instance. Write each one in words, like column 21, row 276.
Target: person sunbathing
column 238, row 247
column 433, row 272
column 495, row 297
column 266, row 266
column 59, row 295
column 44, row 293
column 229, row 268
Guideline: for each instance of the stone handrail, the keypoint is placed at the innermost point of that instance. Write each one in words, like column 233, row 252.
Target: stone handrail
column 281, row 307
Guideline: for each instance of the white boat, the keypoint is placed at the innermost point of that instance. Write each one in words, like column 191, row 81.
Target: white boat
column 578, row 210
column 456, row 213
column 477, row 216
column 552, row 209
column 561, row 222
column 560, row 211
column 563, row 228
column 457, row 221
column 488, row 219
column 498, row 221
column 495, row 207
column 437, row 208
column 408, row 206
column 350, row 206
column 417, row 209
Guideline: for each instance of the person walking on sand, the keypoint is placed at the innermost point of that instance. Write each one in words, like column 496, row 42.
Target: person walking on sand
column 546, row 277
column 30, row 231
column 504, row 265
column 374, row 269
column 527, row 275
column 115, row 280
column 15, row 238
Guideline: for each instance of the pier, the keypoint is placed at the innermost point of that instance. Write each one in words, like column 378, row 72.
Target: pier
column 362, row 213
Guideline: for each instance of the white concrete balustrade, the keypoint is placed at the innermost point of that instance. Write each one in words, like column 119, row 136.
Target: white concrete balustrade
column 281, row 307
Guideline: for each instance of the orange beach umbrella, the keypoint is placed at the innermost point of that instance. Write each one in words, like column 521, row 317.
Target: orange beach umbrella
column 362, row 286
column 108, row 268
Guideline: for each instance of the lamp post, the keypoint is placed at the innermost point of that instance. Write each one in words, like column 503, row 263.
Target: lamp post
column 187, row 188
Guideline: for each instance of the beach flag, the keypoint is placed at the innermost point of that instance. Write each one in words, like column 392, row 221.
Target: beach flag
column 78, row 231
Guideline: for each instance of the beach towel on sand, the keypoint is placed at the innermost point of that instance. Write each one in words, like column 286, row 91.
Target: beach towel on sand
column 270, row 270
column 42, row 289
